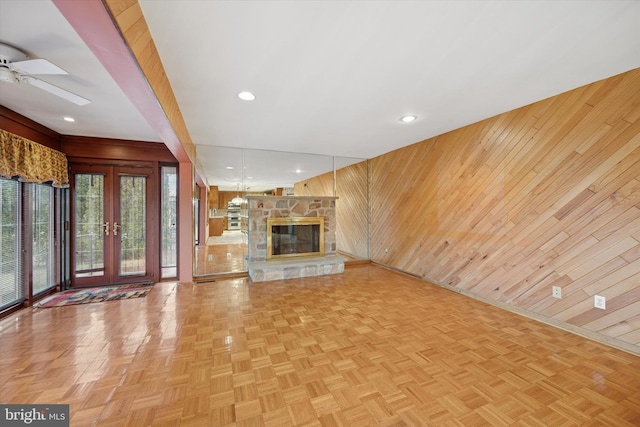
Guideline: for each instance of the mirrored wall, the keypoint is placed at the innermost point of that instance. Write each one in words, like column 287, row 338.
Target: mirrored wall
column 234, row 173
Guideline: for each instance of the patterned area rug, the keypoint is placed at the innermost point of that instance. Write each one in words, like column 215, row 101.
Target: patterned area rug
column 88, row 295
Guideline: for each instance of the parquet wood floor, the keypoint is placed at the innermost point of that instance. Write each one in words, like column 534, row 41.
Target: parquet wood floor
column 370, row 347
column 220, row 258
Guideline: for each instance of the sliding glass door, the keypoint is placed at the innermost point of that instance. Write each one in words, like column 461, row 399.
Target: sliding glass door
column 11, row 254
column 43, row 247
column 29, row 250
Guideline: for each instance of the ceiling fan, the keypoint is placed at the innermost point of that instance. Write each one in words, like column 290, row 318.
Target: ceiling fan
column 16, row 68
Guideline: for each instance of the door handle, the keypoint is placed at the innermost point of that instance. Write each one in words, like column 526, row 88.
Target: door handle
column 106, row 228
column 115, row 228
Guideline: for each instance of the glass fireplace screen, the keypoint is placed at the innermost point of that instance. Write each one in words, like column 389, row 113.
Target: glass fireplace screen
column 295, row 237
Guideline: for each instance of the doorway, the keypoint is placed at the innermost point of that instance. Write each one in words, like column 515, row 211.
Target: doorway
column 111, row 224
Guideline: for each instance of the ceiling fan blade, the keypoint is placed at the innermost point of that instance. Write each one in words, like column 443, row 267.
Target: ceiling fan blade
column 36, row 66
column 65, row 94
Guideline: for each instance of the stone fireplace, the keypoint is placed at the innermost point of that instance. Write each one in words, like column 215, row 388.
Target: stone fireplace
column 305, row 234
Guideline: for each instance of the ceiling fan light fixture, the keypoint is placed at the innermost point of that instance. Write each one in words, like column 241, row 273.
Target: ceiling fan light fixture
column 7, row 76
column 246, row 96
column 16, row 68
column 55, row 90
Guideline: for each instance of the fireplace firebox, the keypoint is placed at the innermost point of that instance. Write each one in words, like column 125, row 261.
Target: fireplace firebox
column 295, row 237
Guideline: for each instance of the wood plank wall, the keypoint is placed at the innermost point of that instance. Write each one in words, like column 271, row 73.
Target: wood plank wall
column 352, row 208
column 504, row 209
column 78, row 148
column 321, row 185
column 27, row 128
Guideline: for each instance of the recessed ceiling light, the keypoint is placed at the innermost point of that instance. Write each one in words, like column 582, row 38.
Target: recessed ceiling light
column 408, row 119
column 249, row 177
column 246, row 96
column 298, row 171
column 229, row 167
column 69, row 119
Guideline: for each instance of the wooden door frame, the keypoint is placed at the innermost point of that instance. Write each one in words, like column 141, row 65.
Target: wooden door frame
column 97, row 170
column 152, row 221
column 111, row 172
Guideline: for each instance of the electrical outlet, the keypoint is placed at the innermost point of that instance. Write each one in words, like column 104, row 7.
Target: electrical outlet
column 210, row 257
column 556, row 292
column 599, row 302
column 386, row 250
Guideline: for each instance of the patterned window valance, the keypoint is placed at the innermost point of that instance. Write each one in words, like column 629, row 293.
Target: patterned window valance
column 31, row 162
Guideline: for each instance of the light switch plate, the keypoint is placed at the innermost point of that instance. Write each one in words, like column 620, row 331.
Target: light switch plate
column 599, row 302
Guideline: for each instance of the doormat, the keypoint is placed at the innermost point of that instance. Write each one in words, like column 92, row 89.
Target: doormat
column 89, row 295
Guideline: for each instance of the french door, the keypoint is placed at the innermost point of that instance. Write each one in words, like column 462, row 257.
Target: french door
column 112, row 222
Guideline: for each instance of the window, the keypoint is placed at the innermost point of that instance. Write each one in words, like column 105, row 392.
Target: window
column 42, row 237
column 11, row 257
column 168, row 221
column 133, row 230
column 28, row 249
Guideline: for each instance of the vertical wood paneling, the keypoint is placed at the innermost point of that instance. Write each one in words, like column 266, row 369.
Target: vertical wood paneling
column 504, row 209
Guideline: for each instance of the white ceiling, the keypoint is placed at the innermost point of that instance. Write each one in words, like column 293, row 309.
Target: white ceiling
column 40, row 30
column 331, row 78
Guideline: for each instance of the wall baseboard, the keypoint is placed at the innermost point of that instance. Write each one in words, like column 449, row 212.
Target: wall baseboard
column 594, row 336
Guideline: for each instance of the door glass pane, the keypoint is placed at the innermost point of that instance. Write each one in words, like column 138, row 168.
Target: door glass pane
column 196, row 221
column 11, row 285
column 132, row 231
column 42, row 228
column 89, row 229
column 169, row 256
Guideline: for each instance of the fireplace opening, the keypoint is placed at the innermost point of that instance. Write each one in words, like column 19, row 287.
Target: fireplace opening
column 295, row 237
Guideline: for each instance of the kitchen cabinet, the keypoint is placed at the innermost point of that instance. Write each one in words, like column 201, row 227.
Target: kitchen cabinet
column 213, row 197
column 224, row 197
column 216, row 225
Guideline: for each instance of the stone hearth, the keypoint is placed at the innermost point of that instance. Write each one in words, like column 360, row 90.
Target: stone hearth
column 293, row 268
